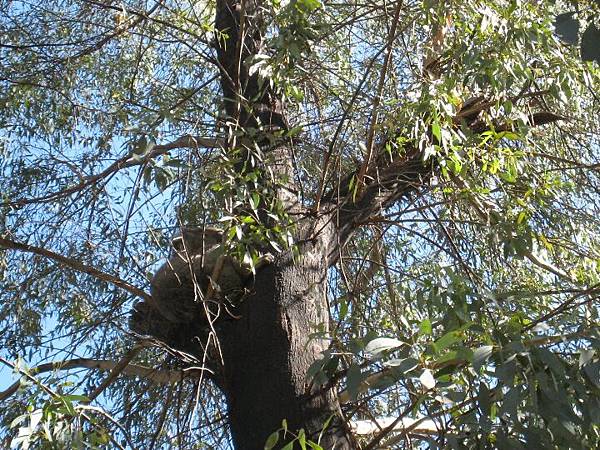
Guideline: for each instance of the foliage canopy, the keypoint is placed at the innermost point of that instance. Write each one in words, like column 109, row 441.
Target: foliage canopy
column 469, row 305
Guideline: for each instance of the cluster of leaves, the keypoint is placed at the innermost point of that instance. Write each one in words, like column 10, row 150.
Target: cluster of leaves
column 293, row 28
column 61, row 423
column 56, row 420
column 284, row 434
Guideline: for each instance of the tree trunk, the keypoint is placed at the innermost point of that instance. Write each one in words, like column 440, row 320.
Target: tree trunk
column 268, row 351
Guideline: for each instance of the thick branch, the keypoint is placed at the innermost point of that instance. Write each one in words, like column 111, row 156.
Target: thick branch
column 421, row 426
column 248, row 102
column 390, row 180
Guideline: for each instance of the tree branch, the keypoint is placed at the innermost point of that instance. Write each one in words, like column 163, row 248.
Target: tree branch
column 116, row 370
column 368, row 427
column 130, row 160
column 392, row 179
column 375, row 112
column 156, row 376
column 76, row 265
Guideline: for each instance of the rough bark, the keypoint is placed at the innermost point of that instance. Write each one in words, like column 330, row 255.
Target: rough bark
column 269, row 350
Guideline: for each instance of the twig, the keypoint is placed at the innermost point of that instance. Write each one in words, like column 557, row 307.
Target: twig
column 364, row 168
column 187, row 141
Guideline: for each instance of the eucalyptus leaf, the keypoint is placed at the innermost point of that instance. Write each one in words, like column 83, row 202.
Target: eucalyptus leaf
column 592, row 370
column 272, row 440
column 585, row 356
column 381, row 345
column 407, row 204
column 404, row 365
column 481, row 355
column 427, row 379
column 354, row 380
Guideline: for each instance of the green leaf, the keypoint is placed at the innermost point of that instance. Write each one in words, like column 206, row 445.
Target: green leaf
column 254, row 200
column 427, row 379
column 425, row 328
column 436, row 131
column 18, row 420
column 585, row 356
column 551, row 360
column 343, row 309
column 481, row 355
column 354, row 379
column 403, row 365
column 68, row 405
column 484, row 399
column 380, row 345
column 316, row 367
column 325, row 426
column 509, row 135
column 288, row 446
column 295, row 131
column 302, row 439
column 308, row 5
column 511, row 402
column 447, row 340
column 592, row 370
column 272, row 440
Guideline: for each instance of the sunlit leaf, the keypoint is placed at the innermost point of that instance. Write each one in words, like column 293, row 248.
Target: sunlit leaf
column 380, row 345
column 272, row 440
column 481, row 355
column 427, row 379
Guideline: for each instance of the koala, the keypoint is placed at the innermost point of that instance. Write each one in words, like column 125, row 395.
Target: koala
column 178, row 314
column 181, row 284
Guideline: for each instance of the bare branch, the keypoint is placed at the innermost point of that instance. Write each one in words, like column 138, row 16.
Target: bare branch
column 130, row 160
column 116, row 370
column 76, row 265
column 368, row 427
column 156, row 376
